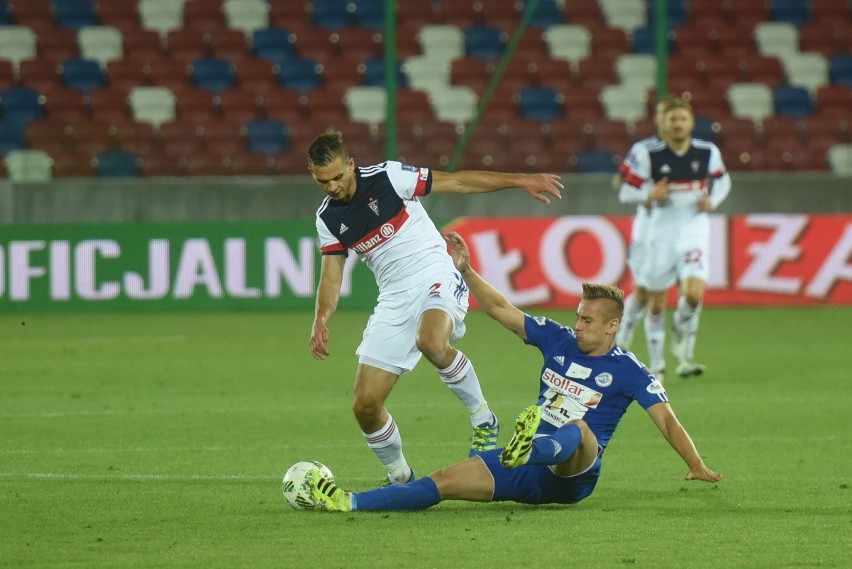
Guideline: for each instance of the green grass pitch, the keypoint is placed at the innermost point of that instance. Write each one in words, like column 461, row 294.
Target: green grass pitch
column 159, row 440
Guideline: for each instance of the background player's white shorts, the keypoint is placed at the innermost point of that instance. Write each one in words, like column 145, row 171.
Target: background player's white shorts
column 666, row 261
column 390, row 334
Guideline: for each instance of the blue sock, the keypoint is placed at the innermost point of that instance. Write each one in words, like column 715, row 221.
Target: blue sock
column 417, row 495
column 557, row 447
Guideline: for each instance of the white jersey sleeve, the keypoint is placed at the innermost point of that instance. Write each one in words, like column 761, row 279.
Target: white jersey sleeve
column 409, row 181
column 636, row 169
column 720, row 179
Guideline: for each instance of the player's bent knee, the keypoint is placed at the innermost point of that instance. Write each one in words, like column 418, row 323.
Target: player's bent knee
column 366, row 408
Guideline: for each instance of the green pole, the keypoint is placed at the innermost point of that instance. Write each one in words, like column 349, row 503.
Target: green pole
column 492, row 84
column 662, row 44
column 390, row 79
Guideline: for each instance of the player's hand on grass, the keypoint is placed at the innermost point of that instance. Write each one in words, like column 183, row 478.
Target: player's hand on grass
column 703, row 473
column 460, row 252
column 319, row 341
column 537, row 185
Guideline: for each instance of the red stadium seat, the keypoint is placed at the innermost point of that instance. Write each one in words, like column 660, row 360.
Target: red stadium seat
column 39, row 74
column 109, row 104
column 357, row 43
column 144, row 45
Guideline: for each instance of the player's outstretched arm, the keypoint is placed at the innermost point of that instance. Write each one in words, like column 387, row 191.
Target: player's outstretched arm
column 479, row 181
column 665, row 419
column 328, row 294
column 492, row 300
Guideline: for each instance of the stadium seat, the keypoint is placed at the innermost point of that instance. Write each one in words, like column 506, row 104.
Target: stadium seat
column 109, row 104
column 427, row 73
column 833, row 98
column 212, row 73
column 75, row 14
column 248, row 16
column 644, row 41
column 676, row 12
column 203, row 15
column 82, row 74
column 750, row 100
column 596, row 161
column 625, row 14
column 624, row 102
column 17, row 43
column 357, row 43
column 29, row 166
column 546, row 14
column 142, row 45
column 330, row 14
column 809, row 70
column 442, row 42
column 637, row 70
column 100, row 43
column 840, row 159
column 301, row 74
column 585, row 13
column 792, row 101
column 21, row 104
column 39, row 74
column 266, row 136
column 485, row 42
column 118, row 164
column 456, row 104
column 820, row 37
column 12, row 136
column 366, row 104
column 154, row 105
column 370, row 14
column 777, row 39
column 161, row 16
column 273, row 44
column 610, row 43
column 543, row 104
column 795, row 12
column 840, row 69
column 374, row 73
column 568, row 41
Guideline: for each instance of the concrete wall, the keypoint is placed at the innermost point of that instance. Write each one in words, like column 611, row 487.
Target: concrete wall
column 297, row 197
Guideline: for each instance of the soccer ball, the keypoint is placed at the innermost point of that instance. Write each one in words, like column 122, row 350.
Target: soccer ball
column 294, row 484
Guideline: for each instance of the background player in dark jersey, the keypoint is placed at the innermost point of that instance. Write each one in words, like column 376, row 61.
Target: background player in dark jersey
column 376, row 212
column 684, row 178
column 585, row 387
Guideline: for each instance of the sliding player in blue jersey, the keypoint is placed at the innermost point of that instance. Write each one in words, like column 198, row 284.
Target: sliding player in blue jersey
column 586, row 385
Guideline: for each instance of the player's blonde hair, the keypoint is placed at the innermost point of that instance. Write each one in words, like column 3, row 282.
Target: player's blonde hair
column 326, row 147
column 592, row 291
column 678, row 103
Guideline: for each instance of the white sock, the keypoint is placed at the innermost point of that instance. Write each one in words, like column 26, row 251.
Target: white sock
column 461, row 378
column 633, row 312
column 387, row 444
column 655, row 333
column 688, row 325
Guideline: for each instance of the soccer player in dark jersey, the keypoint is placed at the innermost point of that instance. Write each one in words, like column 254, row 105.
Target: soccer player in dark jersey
column 375, row 211
column 585, row 386
column 683, row 178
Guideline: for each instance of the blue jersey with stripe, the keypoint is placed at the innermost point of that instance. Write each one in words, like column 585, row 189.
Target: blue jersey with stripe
column 596, row 389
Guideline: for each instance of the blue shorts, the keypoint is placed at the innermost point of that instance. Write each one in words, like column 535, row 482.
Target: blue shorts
column 537, row 484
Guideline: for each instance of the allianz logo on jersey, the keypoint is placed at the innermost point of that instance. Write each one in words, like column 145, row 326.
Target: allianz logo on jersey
column 382, row 234
column 576, row 391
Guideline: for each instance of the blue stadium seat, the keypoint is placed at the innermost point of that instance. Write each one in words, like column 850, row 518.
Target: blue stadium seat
column 301, row 74
column 797, row 12
column 840, row 69
column 597, row 162
column 21, row 104
column 676, row 12
column 705, row 128
column 82, row 74
column 273, row 44
column 485, row 42
column 118, row 164
column 75, row 13
column 645, row 40
column 792, row 101
column 213, row 73
column 332, row 14
column 547, row 13
column 374, row 73
column 268, row 136
column 370, row 14
column 541, row 103
column 12, row 135
column 6, row 18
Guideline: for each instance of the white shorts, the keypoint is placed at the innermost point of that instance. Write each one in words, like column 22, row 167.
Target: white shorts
column 389, row 338
column 667, row 261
